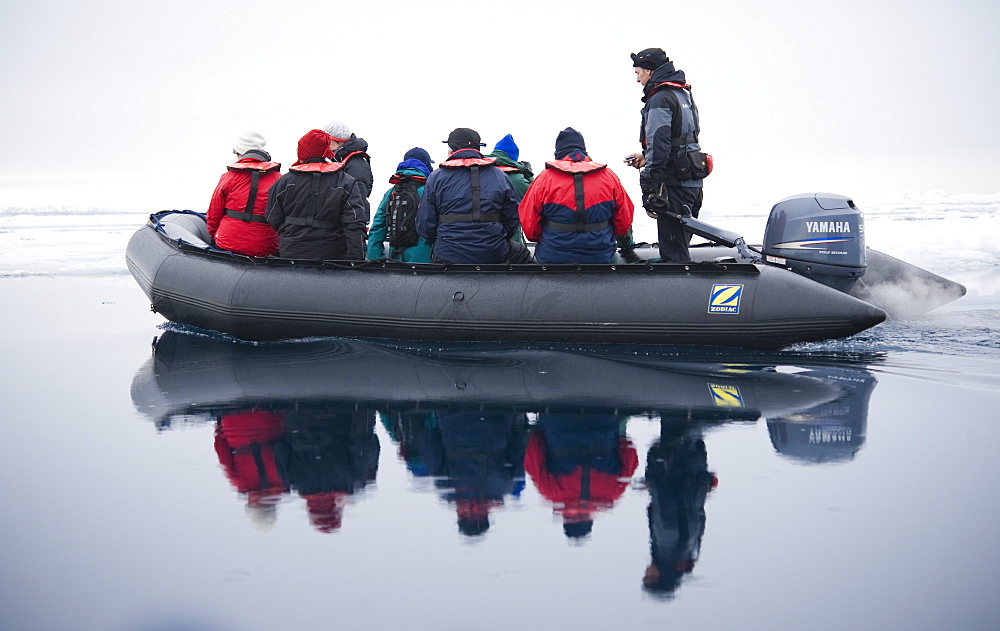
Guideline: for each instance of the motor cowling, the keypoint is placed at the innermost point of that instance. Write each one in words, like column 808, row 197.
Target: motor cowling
column 818, row 235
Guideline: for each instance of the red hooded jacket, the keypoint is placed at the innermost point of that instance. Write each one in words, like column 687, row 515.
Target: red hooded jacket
column 253, row 238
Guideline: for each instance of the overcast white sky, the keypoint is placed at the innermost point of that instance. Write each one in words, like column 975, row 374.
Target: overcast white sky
column 135, row 105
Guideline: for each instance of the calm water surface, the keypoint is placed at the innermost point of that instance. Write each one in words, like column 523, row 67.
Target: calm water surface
column 199, row 483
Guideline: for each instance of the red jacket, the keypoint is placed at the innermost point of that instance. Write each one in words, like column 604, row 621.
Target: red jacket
column 255, row 237
column 567, row 491
column 244, row 442
column 548, row 213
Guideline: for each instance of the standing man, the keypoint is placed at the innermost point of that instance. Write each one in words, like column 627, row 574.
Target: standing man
column 671, row 160
column 469, row 208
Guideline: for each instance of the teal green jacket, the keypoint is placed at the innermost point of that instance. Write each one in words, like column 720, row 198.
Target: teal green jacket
column 520, row 178
column 519, row 175
column 419, row 253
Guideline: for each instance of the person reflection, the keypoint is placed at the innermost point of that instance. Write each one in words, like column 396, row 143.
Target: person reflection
column 327, row 454
column 415, row 432
column 244, row 443
column 482, row 459
column 679, row 481
column 476, row 457
column 581, row 463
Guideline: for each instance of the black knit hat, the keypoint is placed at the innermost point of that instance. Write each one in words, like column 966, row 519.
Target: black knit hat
column 578, row 529
column 650, row 58
column 464, row 138
column 568, row 141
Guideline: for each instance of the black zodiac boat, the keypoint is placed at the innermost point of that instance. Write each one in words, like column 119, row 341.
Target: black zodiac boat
column 805, row 285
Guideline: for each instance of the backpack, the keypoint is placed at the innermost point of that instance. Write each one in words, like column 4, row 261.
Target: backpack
column 401, row 211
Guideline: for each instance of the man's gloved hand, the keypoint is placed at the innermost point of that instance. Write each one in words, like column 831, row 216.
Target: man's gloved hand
column 656, row 205
column 655, row 198
column 629, row 256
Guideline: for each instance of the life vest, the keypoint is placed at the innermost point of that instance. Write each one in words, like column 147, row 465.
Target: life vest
column 354, row 154
column 677, row 142
column 569, row 166
column 255, row 169
column 263, row 167
column 473, row 164
column 666, row 84
column 316, row 169
column 577, row 170
column 468, row 162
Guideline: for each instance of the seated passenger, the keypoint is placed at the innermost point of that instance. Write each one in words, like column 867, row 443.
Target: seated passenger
column 469, row 209
column 353, row 153
column 396, row 217
column 506, row 152
column 317, row 209
column 575, row 208
column 236, row 213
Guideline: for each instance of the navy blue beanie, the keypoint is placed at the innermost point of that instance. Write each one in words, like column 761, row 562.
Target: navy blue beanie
column 419, row 154
column 578, row 529
column 569, row 141
column 508, row 146
column 413, row 163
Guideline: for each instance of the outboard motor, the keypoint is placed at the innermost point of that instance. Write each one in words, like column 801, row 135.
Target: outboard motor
column 821, row 236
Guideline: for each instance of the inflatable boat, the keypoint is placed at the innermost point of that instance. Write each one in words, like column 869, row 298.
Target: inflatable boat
column 801, row 288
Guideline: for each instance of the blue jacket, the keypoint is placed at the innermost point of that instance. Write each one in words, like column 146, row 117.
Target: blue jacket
column 419, row 253
column 449, row 192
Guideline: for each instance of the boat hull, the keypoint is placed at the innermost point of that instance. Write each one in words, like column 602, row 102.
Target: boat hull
column 734, row 305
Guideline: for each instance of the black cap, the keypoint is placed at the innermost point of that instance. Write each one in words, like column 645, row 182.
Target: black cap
column 650, row 58
column 464, row 138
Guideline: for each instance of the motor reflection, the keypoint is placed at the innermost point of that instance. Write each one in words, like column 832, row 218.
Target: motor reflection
column 833, row 431
column 480, row 424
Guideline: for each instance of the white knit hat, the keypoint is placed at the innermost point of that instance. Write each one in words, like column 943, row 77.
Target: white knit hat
column 248, row 141
column 340, row 131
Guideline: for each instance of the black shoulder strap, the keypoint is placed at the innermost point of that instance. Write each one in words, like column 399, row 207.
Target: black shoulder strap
column 677, row 120
column 476, row 202
column 581, row 209
column 314, row 194
column 252, row 197
column 581, row 224
column 247, row 213
column 477, row 209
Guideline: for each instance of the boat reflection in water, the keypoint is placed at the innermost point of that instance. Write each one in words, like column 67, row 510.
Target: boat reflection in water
column 479, row 422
